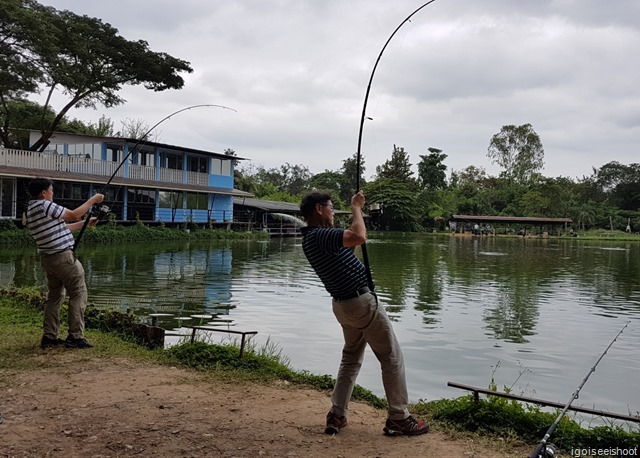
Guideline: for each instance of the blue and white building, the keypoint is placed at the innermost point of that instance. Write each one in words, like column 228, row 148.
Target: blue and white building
column 156, row 183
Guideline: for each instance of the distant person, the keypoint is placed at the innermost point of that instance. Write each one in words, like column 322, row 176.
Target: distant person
column 330, row 252
column 46, row 221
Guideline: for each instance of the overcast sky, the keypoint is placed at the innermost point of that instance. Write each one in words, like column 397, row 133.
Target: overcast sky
column 296, row 71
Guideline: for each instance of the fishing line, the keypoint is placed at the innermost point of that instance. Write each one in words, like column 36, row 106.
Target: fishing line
column 365, row 256
column 104, row 209
column 545, row 450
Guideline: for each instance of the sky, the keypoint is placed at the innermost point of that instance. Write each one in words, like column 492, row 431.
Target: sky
column 296, row 73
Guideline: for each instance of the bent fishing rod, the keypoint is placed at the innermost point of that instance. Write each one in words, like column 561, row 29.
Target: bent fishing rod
column 104, row 209
column 542, row 450
column 365, row 256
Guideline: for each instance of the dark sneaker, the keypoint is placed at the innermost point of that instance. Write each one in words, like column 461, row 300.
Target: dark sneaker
column 407, row 427
column 77, row 343
column 335, row 423
column 47, row 342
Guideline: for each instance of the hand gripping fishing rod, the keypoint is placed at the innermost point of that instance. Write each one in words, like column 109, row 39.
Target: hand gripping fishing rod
column 545, row 451
column 365, row 256
column 103, row 210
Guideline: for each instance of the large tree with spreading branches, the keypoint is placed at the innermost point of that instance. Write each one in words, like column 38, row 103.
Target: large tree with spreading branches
column 46, row 50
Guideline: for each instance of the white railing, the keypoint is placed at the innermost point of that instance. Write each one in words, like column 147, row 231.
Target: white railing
column 198, row 178
column 171, row 176
column 142, row 172
column 80, row 164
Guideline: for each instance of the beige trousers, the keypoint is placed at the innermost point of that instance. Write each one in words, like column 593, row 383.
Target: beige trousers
column 64, row 272
column 364, row 321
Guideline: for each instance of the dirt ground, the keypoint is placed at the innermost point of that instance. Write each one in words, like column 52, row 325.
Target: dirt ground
column 121, row 408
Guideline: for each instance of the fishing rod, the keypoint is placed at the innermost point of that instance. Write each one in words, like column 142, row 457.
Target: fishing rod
column 365, row 256
column 545, row 450
column 103, row 210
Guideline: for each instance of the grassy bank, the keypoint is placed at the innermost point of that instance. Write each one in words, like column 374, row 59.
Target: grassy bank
column 492, row 418
column 11, row 235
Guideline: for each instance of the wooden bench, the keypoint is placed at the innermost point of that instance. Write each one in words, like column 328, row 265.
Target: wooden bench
column 228, row 331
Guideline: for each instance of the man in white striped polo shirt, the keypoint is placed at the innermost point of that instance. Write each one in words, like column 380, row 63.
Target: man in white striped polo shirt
column 363, row 319
column 46, row 221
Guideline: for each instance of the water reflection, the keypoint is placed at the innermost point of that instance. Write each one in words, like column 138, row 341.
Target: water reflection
column 459, row 304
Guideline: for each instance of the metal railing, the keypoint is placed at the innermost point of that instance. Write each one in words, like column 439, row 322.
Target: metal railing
column 81, row 164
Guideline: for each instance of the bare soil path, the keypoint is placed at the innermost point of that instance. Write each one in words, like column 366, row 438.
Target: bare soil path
column 123, row 408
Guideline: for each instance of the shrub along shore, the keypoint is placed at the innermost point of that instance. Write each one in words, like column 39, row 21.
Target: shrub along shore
column 20, row 323
column 11, row 235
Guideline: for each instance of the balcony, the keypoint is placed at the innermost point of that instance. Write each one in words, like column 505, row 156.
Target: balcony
column 80, row 164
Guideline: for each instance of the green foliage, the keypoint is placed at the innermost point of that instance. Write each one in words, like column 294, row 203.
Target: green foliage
column 509, row 418
column 432, row 172
column 398, row 203
column 398, row 168
column 205, row 356
column 82, row 56
column 518, row 150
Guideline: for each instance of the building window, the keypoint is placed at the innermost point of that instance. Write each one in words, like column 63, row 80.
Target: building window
column 197, row 164
column 143, row 196
column 173, row 161
column 196, row 201
column 226, row 168
column 170, row 199
column 216, row 166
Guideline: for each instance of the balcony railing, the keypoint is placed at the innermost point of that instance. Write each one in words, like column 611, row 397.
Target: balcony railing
column 81, row 164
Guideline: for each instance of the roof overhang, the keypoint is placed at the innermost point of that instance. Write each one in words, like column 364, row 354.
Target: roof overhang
column 102, row 180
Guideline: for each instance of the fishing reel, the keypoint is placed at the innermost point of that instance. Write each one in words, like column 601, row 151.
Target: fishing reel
column 548, row 451
column 100, row 212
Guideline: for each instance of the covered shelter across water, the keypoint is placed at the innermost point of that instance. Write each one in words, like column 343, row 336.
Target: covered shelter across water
column 478, row 225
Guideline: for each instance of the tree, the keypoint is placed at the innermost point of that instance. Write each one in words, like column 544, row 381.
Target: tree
column 398, row 167
column 349, row 171
column 398, row 203
column 295, row 178
column 518, row 150
column 432, row 173
column 81, row 56
column 622, row 183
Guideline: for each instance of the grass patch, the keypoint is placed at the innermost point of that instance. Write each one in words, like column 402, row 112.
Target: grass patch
column 509, row 419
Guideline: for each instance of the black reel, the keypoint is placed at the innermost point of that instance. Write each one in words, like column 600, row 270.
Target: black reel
column 100, row 212
column 549, row 451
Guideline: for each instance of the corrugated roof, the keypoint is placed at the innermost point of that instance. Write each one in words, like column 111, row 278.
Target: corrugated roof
column 267, row 205
column 512, row 219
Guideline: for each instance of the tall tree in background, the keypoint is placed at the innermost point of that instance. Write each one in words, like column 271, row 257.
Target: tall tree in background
column 432, row 173
column 349, row 171
column 398, row 167
column 518, row 150
column 84, row 58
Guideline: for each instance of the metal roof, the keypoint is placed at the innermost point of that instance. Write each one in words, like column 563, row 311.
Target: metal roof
column 267, row 205
column 512, row 219
column 102, row 179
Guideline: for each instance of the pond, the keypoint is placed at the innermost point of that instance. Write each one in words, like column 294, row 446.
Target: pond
column 534, row 314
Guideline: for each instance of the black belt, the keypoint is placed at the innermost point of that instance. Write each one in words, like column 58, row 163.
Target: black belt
column 359, row 292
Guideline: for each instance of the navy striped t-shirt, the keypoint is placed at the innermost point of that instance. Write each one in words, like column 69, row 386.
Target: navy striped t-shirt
column 340, row 270
column 49, row 231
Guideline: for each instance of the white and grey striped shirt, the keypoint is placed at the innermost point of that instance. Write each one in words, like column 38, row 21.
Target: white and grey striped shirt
column 49, row 231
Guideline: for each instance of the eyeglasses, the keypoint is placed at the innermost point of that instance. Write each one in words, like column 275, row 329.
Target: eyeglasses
column 328, row 205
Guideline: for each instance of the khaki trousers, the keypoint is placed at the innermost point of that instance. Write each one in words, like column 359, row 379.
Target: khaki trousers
column 364, row 322
column 64, row 272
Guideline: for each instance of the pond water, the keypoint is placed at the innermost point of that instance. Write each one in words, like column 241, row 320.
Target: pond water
column 534, row 314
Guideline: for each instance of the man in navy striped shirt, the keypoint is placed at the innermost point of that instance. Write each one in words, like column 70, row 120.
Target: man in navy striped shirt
column 46, row 221
column 330, row 251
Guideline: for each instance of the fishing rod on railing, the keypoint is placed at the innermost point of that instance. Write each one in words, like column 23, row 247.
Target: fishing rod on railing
column 544, row 448
column 365, row 256
column 102, row 211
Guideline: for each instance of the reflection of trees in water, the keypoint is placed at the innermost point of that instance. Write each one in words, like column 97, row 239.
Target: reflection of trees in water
column 512, row 317
column 404, row 265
